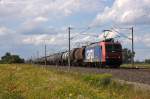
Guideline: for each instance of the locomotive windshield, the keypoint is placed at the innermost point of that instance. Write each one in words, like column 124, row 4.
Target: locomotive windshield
column 113, row 48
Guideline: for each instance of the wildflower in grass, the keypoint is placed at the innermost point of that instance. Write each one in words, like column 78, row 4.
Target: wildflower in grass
column 70, row 94
column 80, row 97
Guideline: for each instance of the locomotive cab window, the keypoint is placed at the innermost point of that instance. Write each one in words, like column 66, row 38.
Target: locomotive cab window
column 113, row 48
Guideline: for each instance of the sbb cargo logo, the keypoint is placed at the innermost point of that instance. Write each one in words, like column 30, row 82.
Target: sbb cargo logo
column 90, row 54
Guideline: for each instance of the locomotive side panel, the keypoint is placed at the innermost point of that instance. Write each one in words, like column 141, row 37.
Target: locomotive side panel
column 93, row 54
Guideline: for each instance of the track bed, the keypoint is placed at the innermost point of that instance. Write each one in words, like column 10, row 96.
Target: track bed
column 140, row 75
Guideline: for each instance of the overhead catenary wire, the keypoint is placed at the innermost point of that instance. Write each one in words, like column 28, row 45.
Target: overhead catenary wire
column 121, row 34
column 86, row 29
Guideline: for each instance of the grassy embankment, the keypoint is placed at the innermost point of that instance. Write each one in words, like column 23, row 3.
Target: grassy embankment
column 141, row 65
column 31, row 82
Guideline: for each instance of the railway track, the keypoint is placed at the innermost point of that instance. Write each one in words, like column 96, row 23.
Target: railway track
column 139, row 75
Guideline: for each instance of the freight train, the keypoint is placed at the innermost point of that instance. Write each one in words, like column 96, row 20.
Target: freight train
column 99, row 54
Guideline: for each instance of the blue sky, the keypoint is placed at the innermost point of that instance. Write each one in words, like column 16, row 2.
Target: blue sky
column 26, row 25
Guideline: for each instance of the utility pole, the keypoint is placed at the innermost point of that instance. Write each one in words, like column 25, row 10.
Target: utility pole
column 132, row 61
column 37, row 54
column 69, row 28
column 31, row 60
column 45, row 56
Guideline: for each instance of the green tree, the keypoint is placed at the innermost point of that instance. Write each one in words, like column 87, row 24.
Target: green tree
column 8, row 58
column 147, row 61
column 127, row 55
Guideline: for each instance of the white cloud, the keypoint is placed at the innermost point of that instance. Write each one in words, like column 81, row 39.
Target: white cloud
column 9, row 37
column 146, row 39
column 58, row 39
column 51, row 8
column 4, row 31
column 33, row 23
column 35, row 39
column 41, row 19
column 32, row 14
column 125, row 12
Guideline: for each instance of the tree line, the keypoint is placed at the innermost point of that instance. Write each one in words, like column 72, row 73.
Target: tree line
column 127, row 56
column 8, row 58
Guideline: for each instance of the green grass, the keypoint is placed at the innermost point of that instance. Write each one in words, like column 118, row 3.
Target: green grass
column 139, row 65
column 32, row 82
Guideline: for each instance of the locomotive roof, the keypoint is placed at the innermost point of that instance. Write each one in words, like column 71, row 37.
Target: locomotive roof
column 111, row 40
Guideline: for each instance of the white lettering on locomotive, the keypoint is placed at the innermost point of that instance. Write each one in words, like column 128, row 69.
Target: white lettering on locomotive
column 90, row 54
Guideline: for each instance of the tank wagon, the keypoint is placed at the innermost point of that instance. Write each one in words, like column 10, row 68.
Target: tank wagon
column 99, row 54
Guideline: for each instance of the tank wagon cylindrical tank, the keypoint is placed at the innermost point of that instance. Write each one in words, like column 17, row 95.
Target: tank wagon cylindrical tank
column 50, row 59
column 72, row 54
column 79, row 56
column 41, row 60
column 54, row 59
column 65, row 58
column 58, row 58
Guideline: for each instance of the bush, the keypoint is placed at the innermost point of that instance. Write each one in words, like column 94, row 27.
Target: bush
column 98, row 80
